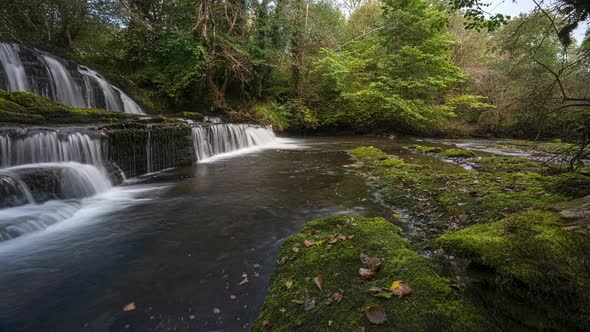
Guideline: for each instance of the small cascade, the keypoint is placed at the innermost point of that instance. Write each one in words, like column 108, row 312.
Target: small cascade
column 21, row 146
column 59, row 186
column 211, row 140
column 27, row 69
column 13, row 191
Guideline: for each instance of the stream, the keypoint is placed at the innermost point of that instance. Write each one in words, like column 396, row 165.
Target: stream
column 177, row 243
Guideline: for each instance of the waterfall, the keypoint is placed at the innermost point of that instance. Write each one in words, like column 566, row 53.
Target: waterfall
column 211, row 140
column 21, row 146
column 59, row 185
column 13, row 68
column 27, row 69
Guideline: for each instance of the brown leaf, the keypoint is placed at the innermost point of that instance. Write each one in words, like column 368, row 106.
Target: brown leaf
column 400, row 288
column 308, row 243
column 265, row 323
column 374, row 263
column 245, row 280
column 328, row 247
column 216, row 311
column 289, row 282
column 319, row 281
column 232, row 297
column 282, row 260
column 295, row 249
column 298, row 301
column 129, row 307
column 333, row 239
column 376, row 314
column 337, row 296
column 366, row 274
column 342, row 237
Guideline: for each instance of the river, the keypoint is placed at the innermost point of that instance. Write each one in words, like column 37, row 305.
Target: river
column 178, row 243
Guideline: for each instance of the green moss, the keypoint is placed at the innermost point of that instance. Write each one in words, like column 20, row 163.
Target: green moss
column 19, row 118
column 432, row 306
column 28, row 108
column 427, row 149
column 193, row 116
column 367, row 153
column 533, row 249
column 26, row 99
column 457, row 153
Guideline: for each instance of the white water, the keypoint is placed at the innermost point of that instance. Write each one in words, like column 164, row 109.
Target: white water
column 74, row 182
column 221, row 139
column 64, row 81
column 19, row 146
column 15, row 71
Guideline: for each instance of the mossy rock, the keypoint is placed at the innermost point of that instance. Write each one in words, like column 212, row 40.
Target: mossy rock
column 457, row 153
column 433, row 306
column 29, row 108
column 533, row 250
column 20, row 118
column 427, row 149
column 193, row 116
column 26, row 99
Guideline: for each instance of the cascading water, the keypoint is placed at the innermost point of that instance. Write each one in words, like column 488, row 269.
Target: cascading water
column 26, row 69
column 216, row 139
column 20, row 146
column 44, row 175
column 59, row 185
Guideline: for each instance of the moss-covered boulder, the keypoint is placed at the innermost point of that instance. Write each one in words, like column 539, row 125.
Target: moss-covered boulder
column 457, row 153
column 31, row 109
column 537, row 256
column 427, row 149
column 331, row 248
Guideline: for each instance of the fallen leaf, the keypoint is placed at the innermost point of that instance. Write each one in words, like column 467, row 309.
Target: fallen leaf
column 308, row 243
column 298, row 301
column 216, row 311
column 129, row 307
column 342, row 237
column 374, row 263
column 375, row 314
column 366, row 274
column 295, row 249
column 265, row 323
column 328, row 247
column 308, row 302
column 282, row 260
column 245, row 280
column 337, row 296
column 232, row 297
column 400, row 288
column 289, row 282
column 319, row 281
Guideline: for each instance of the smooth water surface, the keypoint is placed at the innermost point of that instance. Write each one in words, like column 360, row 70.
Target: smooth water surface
column 177, row 243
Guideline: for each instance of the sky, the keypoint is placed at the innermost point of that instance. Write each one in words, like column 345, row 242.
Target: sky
column 509, row 7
